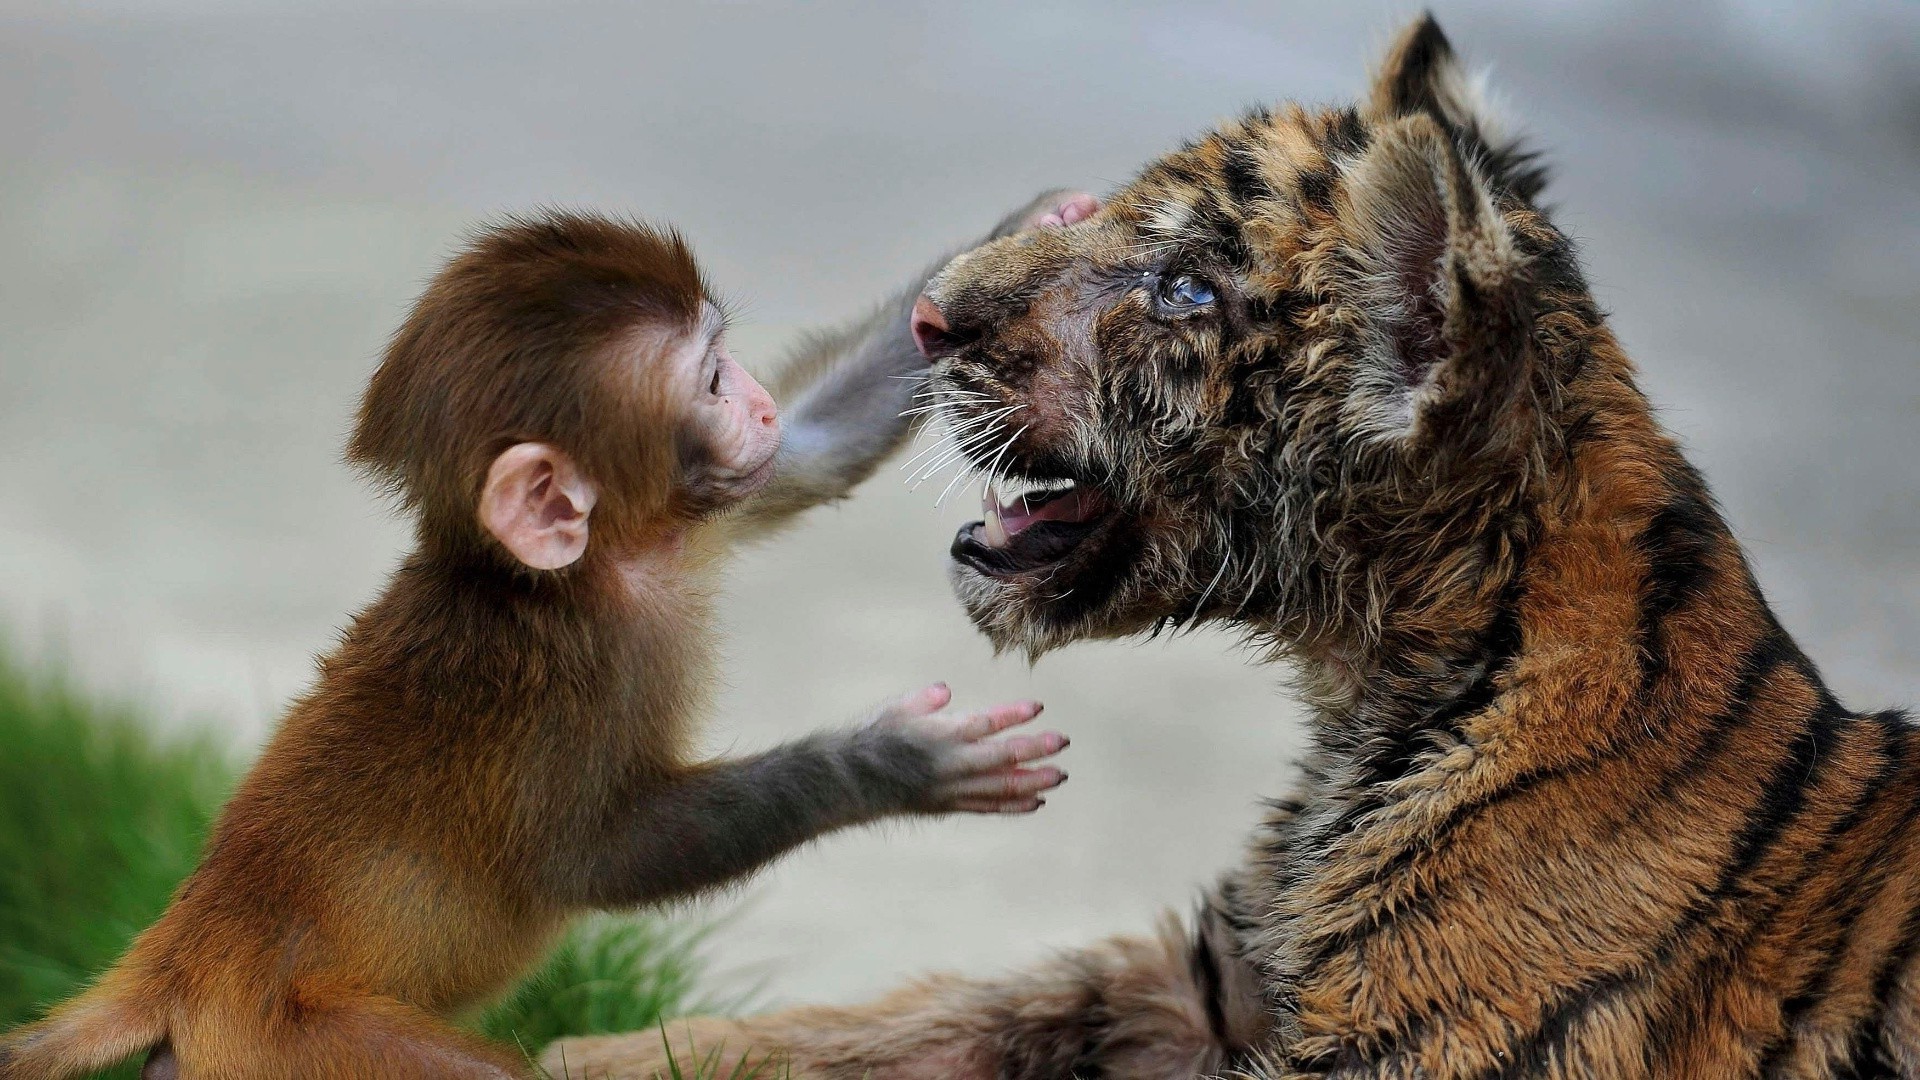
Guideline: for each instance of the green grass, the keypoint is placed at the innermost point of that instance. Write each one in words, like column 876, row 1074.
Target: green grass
column 98, row 823
column 100, row 820
column 611, row 974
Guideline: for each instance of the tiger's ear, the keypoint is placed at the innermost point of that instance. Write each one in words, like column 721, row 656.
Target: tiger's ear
column 1440, row 283
column 1422, row 74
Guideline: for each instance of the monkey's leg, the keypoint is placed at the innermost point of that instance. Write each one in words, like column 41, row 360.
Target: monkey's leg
column 1159, row 1008
column 360, row 1038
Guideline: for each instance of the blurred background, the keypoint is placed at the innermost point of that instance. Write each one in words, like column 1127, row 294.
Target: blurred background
column 211, row 214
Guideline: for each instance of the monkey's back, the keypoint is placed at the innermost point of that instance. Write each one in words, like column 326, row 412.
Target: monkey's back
column 312, row 881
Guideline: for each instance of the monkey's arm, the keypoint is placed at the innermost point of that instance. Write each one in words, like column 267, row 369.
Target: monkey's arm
column 717, row 822
column 707, row 825
column 842, row 395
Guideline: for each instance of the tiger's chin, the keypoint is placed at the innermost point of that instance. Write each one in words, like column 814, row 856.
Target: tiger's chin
column 1047, row 564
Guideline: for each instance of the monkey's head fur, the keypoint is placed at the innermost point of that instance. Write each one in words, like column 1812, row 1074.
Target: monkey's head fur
column 514, row 341
column 1309, row 374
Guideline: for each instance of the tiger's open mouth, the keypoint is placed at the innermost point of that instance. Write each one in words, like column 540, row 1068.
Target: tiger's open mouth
column 1030, row 525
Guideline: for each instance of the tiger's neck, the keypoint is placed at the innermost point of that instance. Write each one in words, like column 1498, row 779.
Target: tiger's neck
column 1631, row 596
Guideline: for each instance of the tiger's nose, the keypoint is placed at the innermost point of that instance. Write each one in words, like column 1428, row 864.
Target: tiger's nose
column 931, row 334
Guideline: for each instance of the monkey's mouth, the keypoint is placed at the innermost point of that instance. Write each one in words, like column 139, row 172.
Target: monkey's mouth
column 1030, row 526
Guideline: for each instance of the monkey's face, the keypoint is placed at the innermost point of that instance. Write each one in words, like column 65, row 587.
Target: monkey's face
column 725, row 433
column 731, row 432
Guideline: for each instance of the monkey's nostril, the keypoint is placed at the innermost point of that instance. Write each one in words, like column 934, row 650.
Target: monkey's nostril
column 931, row 334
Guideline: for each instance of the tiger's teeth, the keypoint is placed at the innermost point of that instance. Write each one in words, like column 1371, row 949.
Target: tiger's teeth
column 996, row 529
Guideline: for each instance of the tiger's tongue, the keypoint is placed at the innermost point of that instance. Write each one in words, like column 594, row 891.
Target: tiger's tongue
column 1004, row 521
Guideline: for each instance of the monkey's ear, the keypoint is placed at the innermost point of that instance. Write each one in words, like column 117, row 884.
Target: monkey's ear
column 536, row 502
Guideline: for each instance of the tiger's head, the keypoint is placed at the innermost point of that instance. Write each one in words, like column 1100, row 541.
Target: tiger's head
column 1304, row 374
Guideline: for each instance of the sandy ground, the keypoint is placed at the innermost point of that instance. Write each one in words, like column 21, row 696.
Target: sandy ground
column 211, row 215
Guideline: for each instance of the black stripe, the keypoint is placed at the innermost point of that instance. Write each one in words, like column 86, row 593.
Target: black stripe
column 1242, row 177
column 1517, row 169
column 1716, row 965
column 1678, row 544
column 1782, row 798
column 1578, row 427
column 1867, row 1063
column 1315, row 189
column 1178, row 169
column 1346, row 135
column 1887, row 979
column 1206, row 975
column 1223, row 225
column 1774, row 649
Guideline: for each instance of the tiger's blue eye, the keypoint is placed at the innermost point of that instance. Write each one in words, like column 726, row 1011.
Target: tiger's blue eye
column 1184, row 293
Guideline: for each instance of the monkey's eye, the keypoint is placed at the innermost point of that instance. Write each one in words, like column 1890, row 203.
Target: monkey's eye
column 714, row 386
column 1183, row 294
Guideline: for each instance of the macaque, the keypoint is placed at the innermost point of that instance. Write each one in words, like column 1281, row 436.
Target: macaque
column 503, row 738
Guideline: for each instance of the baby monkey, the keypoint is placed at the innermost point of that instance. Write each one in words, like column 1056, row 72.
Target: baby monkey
column 503, row 738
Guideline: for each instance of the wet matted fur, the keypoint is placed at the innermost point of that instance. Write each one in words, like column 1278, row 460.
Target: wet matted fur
column 1577, row 806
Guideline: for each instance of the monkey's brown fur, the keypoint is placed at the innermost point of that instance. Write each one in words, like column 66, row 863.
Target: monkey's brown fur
column 491, row 749
column 1576, row 807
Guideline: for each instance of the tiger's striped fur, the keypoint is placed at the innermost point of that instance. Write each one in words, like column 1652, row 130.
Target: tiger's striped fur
column 1576, row 806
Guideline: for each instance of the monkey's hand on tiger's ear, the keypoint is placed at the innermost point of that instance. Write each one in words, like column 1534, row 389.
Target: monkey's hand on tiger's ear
column 968, row 768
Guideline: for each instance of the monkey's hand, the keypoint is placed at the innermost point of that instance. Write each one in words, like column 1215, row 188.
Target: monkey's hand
column 968, row 769
column 1049, row 210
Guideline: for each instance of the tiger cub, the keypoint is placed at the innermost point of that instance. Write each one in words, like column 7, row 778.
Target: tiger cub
column 1576, row 805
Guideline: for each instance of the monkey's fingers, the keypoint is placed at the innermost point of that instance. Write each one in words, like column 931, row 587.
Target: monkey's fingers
column 924, row 702
column 1051, row 209
column 1005, row 785
column 977, row 726
column 1070, row 210
column 930, row 700
column 998, row 754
